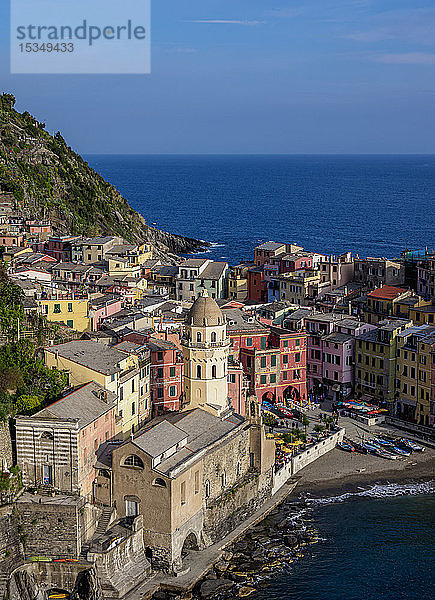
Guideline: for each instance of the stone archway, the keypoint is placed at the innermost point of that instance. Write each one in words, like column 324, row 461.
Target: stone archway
column 291, row 393
column 190, row 543
column 269, row 397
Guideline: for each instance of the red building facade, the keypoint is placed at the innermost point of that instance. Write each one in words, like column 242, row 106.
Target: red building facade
column 277, row 373
column 166, row 376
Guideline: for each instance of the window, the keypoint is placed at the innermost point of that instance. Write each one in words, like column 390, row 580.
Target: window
column 213, row 372
column 238, row 468
column 70, row 307
column 172, row 372
column 249, row 341
column 70, row 323
column 132, row 385
column 285, row 343
column 263, row 343
column 159, row 355
column 273, row 378
column 160, row 373
column 172, row 390
column 198, row 371
column 285, row 375
column 207, row 489
column 198, row 336
column 263, row 362
column 196, row 482
column 160, row 392
column 285, row 359
column 223, row 479
column 133, row 461
column 183, row 492
column 297, row 342
column 133, row 408
column 297, row 357
column 263, row 379
column 191, row 287
column 213, row 336
column 273, row 360
column 56, row 308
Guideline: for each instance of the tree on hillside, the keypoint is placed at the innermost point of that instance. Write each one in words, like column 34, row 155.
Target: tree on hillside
column 11, row 308
column 26, row 376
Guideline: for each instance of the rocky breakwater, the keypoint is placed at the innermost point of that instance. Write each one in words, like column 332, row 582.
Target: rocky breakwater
column 248, row 564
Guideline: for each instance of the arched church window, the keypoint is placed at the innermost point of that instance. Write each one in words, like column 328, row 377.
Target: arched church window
column 213, row 336
column 198, row 337
column 133, row 461
column 213, row 371
column 159, row 482
column 198, row 371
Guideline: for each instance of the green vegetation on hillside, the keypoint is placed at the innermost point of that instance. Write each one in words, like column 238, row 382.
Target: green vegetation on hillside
column 26, row 384
column 48, row 179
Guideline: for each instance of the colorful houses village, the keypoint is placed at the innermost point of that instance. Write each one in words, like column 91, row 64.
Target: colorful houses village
column 158, row 443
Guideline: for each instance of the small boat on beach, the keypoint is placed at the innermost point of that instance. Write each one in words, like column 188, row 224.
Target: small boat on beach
column 391, row 447
column 345, row 446
column 411, row 445
column 361, row 448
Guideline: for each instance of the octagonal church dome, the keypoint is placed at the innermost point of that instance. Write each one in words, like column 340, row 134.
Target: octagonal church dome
column 205, row 312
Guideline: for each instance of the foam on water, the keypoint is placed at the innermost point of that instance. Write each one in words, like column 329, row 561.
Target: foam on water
column 379, row 491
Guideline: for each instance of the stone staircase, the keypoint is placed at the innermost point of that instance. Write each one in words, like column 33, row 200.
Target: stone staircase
column 105, row 519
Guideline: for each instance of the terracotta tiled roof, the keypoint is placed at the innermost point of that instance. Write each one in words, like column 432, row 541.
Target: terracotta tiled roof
column 387, row 292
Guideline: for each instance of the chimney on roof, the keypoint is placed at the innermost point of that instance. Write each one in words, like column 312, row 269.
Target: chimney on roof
column 103, row 395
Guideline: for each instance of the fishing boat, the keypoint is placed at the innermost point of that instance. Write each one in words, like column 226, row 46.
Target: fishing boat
column 346, row 446
column 391, row 447
column 377, row 450
column 382, row 453
column 411, row 445
column 361, row 448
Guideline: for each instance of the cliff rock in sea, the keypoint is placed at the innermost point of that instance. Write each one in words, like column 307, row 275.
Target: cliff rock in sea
column 45, row 178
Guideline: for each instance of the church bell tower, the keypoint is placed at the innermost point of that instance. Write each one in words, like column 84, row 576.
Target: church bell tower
column 205, row 347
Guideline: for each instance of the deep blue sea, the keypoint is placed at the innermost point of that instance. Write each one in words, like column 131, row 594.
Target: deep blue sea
column 371, row 205
column 372, row 549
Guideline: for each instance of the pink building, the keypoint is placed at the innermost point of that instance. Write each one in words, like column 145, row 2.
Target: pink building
column 103, row 307
column 9, row 240
column 237, row 387
column 331, row 349
column 60, row 247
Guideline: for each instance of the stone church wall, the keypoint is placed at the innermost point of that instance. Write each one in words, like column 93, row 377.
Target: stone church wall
column 5, row 445
column 11, row 548
column 235, row 505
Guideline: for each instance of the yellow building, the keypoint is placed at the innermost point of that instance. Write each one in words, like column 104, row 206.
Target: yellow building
column 299, row 287
column 389, row 301
column 415, row 352
column 113, row 369
column 72, row 312
column 375, row 360
column 127, row 259
column 238, row 283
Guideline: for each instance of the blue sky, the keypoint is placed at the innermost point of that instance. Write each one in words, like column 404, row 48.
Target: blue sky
column 255, row 76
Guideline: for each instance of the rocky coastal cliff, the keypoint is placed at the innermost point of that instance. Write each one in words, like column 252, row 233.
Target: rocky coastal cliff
column 44, row 177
